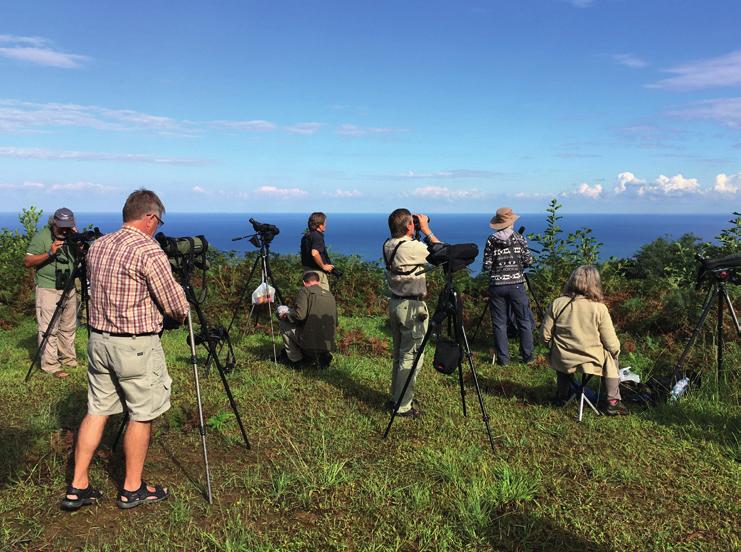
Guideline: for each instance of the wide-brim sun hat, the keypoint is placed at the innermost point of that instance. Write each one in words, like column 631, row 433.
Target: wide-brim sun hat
column 504, row 218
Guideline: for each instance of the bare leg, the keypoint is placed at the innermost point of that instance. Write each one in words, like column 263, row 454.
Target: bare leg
column 136, row 445
column 88, row 439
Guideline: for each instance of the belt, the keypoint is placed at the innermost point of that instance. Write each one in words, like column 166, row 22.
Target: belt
column 94, row 330
column 411, row 297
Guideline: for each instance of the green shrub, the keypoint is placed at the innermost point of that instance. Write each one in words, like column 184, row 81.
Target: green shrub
column 16, row 281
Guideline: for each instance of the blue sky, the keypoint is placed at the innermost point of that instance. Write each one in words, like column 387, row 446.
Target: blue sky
column 440, row 106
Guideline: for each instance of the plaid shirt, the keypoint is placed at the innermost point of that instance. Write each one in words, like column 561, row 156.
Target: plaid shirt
column 129, row 277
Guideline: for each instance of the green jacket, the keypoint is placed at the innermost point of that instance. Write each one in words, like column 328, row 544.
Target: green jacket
column 46, row 272
column 316, row 313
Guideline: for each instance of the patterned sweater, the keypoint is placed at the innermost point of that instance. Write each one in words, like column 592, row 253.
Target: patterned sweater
column 504, row 264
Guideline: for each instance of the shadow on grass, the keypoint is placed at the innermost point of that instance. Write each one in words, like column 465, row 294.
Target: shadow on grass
column 351, row 388
column 521, row 531
column 16, row 445
column 530, row 394
column 700, row 422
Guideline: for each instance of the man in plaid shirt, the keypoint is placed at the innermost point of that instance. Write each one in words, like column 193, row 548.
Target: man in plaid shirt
column 131, row 287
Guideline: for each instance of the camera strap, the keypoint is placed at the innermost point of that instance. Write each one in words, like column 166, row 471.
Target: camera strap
column 391, row 260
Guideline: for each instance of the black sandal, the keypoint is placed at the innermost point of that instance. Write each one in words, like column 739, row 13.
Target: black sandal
column 140, row 496
column 85, row 497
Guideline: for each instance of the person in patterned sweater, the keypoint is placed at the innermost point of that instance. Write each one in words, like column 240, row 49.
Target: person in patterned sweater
column 505, row 257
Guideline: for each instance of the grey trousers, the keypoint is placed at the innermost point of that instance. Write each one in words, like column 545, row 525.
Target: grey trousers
column 408, row 320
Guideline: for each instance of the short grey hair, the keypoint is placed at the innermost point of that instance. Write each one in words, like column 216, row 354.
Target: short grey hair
column 140, row 203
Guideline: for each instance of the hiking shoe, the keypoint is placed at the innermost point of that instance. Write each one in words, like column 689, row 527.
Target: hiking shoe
column 614, row 409
column 412, row 413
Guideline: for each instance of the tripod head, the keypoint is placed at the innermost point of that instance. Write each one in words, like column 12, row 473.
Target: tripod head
column 263, row 236
column 721, row 269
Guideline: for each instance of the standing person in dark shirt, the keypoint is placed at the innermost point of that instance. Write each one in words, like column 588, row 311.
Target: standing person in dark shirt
column 505, row 256
column 314, row 257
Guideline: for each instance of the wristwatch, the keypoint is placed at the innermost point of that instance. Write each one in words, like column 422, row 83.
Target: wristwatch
column 51, row 253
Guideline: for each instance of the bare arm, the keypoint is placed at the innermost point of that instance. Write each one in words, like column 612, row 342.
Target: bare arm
column 318, row 260
column 34, row 260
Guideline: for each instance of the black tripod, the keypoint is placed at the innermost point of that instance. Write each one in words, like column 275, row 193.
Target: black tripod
column 721, row 271
column 450, row 308
column 262, row 242
column 80, row 271
column 211, row 338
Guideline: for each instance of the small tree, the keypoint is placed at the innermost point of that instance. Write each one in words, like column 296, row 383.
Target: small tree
column 16, row 282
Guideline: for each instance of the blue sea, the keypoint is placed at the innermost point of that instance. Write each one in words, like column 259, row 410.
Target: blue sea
column 363, row 234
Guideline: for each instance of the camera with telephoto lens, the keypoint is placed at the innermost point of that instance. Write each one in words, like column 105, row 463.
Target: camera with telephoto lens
column 453, row 257
column 265, row 231
column 725, row 269
column 189, row 246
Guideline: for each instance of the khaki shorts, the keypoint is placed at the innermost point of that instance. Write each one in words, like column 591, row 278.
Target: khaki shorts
column 127, row 370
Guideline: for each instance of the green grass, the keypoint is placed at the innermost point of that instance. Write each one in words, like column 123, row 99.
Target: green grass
column 319, row 475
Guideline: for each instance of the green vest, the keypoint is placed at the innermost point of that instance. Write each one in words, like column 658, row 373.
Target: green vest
column 46, row 272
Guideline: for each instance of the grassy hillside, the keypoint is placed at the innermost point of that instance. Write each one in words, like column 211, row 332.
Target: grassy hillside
column 319, row 476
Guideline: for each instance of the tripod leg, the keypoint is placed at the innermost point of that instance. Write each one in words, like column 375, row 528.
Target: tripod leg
column 480, row 320
column 463, row 389
column 69, row 284
column 120, row 431
column 731, row 310
column 201, row 424
column 469, row 356
column 232, row 402
column 719, row 371
column 410, row 377
column 695, row 332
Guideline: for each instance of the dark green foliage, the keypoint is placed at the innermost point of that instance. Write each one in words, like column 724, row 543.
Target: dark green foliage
column 16, row 281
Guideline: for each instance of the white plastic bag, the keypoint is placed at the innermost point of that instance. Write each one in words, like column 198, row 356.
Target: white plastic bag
column 263, row 294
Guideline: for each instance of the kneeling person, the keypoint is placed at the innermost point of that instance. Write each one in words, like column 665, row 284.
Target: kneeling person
column 309, row 328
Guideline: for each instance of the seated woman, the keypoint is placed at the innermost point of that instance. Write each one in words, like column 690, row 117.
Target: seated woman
column 579, row 331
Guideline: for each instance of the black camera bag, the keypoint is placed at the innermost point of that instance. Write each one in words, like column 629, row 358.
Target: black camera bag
column 448, row 355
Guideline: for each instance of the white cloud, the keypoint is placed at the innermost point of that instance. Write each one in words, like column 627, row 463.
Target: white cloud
column 257, row 125
column 355, row 130
column 198, row 190
column 39, row 51
column 725, row 184
column 304, row 128
column 441, row 192
column 629, row 60
column 625, row 179
column 452, row 174
column 343, row 193
column 56, row 155
column 592, row 192
column 726, row 111
column 282, row 193
column 23, row 116
column 708, row 73
column 24, row 186
column 80, row 186
column 662, row 186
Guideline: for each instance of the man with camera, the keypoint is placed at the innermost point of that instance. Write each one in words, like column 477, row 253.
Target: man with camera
column 53, row 261
column 131, row 287
column 408, row 314
column 314, row 257
column 309, row 328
